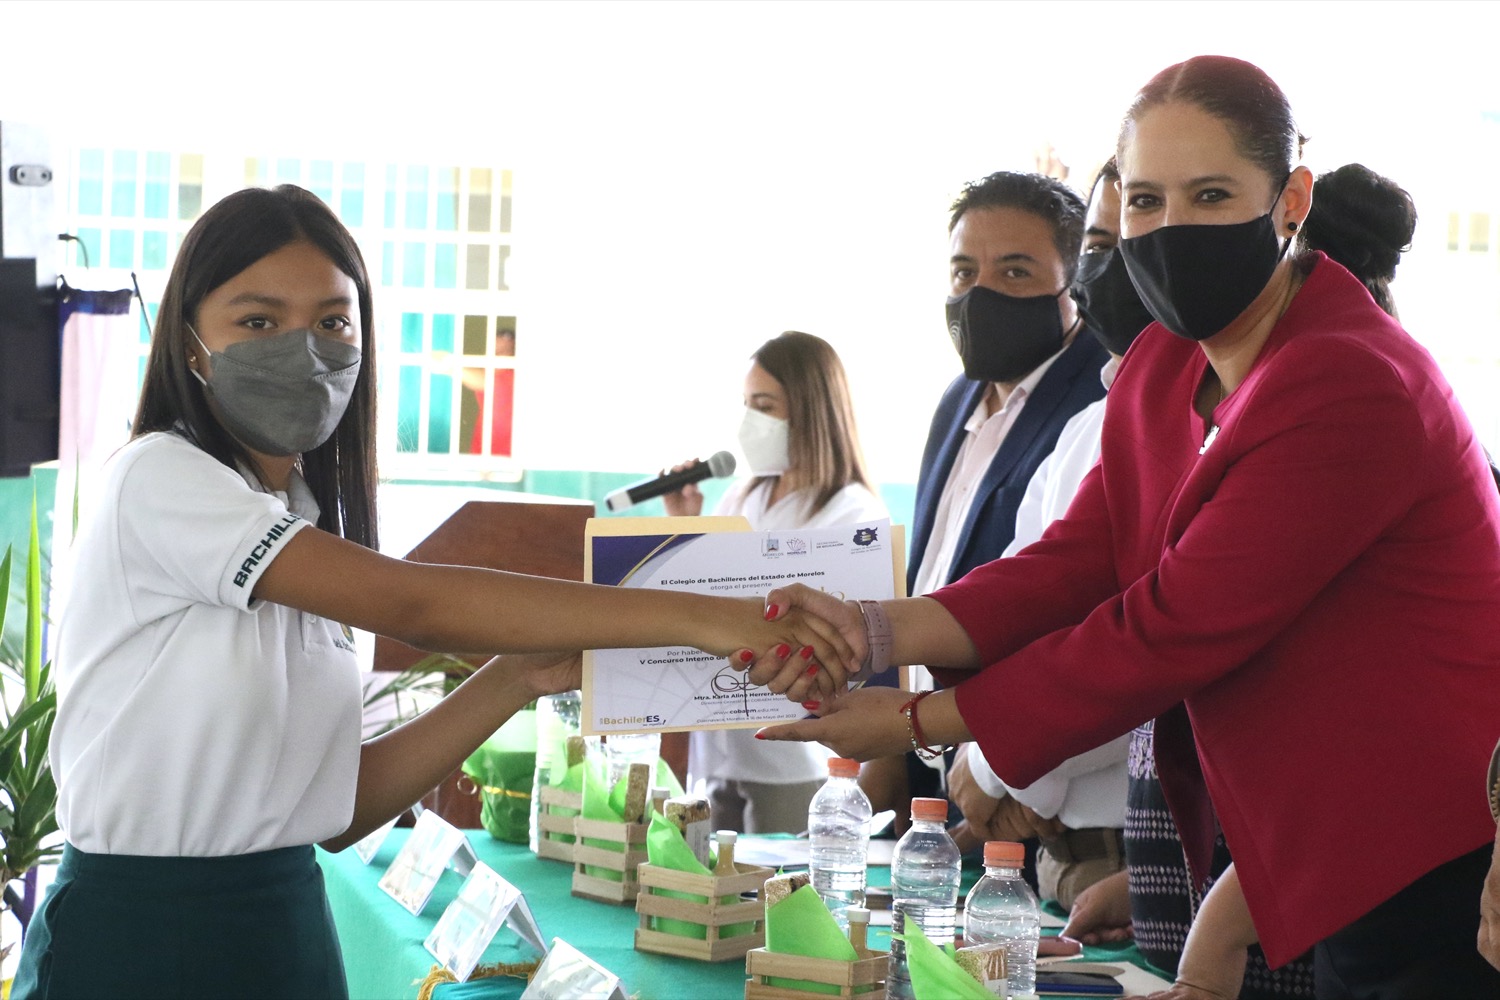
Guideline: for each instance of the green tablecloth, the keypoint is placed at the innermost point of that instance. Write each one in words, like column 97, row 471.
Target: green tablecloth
column 385, row 960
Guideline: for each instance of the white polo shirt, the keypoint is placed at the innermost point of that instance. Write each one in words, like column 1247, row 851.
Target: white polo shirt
column 192, row 721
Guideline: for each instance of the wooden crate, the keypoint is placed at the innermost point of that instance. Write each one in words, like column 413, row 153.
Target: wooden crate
column 863, row 978
column 714, row 915
column 555, row 830
column 632, row 853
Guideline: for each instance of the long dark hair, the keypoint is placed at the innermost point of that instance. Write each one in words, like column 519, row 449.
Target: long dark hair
column 231, row 236
column 823, row 443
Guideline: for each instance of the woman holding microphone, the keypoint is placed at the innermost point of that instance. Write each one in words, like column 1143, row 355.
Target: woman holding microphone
column 806, row 471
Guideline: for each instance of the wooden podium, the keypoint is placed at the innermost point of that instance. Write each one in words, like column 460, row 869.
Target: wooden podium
column 517, row 532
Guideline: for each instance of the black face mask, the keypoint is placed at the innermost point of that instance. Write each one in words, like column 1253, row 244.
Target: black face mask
column 1196, row 280
column 1001, row 338
column 1108, row 300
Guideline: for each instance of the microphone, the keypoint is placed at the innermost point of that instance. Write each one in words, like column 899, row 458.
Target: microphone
column 716, row 467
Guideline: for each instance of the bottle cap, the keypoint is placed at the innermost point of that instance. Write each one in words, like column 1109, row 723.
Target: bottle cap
column 930, row 810
column 726, row 836
column 858, row 915
column 843, row 767
column 1003, row 854
column 660, row 792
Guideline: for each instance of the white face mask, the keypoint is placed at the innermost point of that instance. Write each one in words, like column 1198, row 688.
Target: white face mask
column 763, row 439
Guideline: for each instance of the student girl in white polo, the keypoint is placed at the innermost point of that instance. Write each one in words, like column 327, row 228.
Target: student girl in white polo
column 209, row 700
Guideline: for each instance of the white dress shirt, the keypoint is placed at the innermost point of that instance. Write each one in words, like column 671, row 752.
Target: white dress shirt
column 1087, row 790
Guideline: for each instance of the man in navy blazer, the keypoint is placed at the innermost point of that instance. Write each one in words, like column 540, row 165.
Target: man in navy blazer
column 1069, row 385
column 1029, row 366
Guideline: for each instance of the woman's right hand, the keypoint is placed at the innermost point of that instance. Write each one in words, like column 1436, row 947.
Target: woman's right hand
column 686, row 502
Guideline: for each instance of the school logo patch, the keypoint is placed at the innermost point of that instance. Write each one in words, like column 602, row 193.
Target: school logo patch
column 866, row 536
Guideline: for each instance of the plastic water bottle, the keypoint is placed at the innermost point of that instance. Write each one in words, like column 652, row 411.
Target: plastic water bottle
column 557, row 717
column 838, row 831
column 1002, row 909
column 925, row 874
column 623, row 749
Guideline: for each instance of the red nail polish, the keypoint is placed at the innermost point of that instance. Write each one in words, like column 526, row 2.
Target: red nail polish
column 771, row 611
column 811, row 706
column 760, row 736
column 812, row 671
column 783, row 651
column 746, row 656
column 807, row 652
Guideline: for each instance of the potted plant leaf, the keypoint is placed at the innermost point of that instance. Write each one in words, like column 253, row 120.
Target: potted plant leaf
column 28, row 706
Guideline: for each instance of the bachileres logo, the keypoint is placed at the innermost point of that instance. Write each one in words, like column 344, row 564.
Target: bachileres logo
column 866, row 536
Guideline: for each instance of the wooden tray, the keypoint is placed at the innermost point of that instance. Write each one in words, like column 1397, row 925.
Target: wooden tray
column 863, row 978
column 714, row 914
column 632, row 853
column 555, row 830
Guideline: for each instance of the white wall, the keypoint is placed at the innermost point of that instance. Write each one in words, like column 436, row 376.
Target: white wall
column 693, row 178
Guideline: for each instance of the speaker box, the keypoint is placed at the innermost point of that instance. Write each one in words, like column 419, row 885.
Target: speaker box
column 30, row 369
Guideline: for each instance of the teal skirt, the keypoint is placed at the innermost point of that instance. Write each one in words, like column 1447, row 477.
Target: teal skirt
column 252, row 925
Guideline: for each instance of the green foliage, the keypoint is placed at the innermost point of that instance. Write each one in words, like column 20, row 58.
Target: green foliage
column 429, row 679
column 28, row 805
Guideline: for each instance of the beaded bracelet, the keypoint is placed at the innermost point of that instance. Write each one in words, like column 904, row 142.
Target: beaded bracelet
column 914, row 730
column 877, row 639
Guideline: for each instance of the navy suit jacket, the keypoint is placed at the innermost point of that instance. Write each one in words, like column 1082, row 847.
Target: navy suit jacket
column 1071, row 384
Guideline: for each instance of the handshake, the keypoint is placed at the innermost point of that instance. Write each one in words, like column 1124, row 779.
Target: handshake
column 818, row 650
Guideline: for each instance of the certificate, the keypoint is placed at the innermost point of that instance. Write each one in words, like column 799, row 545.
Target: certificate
column 671, row 689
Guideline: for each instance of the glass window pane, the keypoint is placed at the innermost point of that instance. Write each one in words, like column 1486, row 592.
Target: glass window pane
column 158, row 179
column 320, row 180
column 477, row 269
column 408, row 407
column 505, row 336
column 480, row 199
column 414, row 265
column 352, row 199
column 122, row 190
column 439, row 414
column 91, row 182
column 1479, row 232
column 411, row 333
column 502, row 254
column 86, row 251
column 416, row 197
column 504, row 201
column 476, row 336
column 122, row 248
column 447, row 198
column 388, row 263
column 470, row 404
column 154, row 250
column 442, row 333
column 288, row 171
column 501, row 410
column 189, row 185
column 256, row 171
column 390, row 196
column 1453, row 228
column 445, row 266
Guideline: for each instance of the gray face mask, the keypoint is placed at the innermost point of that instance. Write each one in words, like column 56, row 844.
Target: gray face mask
column 284, row 394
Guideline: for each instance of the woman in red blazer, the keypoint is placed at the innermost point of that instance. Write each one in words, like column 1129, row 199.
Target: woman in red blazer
column 1289, row 556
